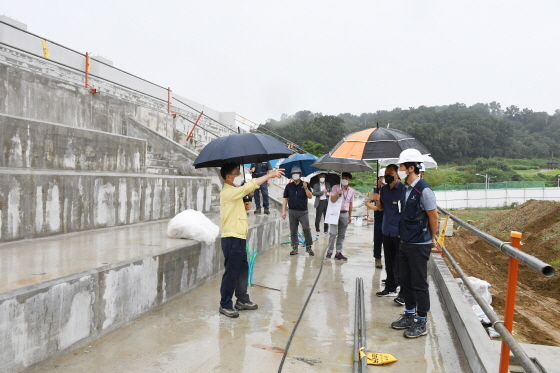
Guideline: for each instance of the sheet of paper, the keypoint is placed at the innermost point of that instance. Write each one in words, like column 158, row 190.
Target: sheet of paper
column 333, row 211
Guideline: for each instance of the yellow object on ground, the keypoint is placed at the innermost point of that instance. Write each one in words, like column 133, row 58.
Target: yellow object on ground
column 377, row 358
column 442, row 230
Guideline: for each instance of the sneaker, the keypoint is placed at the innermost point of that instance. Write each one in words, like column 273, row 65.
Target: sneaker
column 329, row 255
column 229, row 312
column 326, row 233
column 258, row 211
column 309, row 251
column 245, row 306
column 339, row 256
column 378, row 263
column 383, row 281
column 294, row 250
column 266, row 211
column 404, row 322
column 386, row 293
column 417, row 329
column 399, row 301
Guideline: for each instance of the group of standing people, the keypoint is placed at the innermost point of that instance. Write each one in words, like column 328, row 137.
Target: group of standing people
column 405, row 226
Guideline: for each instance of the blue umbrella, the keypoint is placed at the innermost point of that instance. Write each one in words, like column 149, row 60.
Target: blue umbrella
column 241, row 148
column 304, row 161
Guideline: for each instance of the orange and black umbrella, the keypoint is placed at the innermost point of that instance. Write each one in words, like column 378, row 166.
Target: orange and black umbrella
column 376, row 144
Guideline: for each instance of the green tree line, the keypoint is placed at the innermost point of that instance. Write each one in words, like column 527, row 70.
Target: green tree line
column 454, row 133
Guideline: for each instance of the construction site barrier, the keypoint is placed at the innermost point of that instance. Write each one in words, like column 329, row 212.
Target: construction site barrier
column 504, row 327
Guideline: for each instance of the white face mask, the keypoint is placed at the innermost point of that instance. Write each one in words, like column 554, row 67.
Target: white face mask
column 402, row 174
column 344, row 182
column 238, row 180
column 295, row 177
column 322, row 179
column 383, row 181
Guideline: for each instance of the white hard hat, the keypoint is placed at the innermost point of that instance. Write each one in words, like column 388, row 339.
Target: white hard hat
column 410, row 155
column 381, row 172
column 296, row 169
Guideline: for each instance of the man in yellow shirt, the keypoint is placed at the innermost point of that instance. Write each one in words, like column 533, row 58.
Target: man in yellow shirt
column 234, row 234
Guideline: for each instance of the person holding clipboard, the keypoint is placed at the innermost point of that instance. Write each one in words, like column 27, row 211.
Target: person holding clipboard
column 342, row 199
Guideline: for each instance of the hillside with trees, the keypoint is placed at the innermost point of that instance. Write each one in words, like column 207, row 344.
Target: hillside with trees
column 453, row 133
column 482, row 138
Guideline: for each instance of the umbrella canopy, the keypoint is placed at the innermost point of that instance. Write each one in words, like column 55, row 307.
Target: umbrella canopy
column 376, row 143
column 241, row 148
column 304, row 162
column 326, row 162
column 429, row 162
column 330, row 177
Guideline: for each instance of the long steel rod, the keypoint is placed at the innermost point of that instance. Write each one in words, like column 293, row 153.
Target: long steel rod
column 526, row 362
column 529, row 260
column 363, row 360
column 356, row 329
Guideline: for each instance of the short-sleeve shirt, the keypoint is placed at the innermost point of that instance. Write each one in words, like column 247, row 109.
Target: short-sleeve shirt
column 427, row 201
column 390, row 199
column 378, row 214
column 297, row 199
column 347, row 196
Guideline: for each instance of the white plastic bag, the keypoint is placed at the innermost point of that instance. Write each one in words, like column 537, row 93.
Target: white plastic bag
column 483, row 289
column 192, row 224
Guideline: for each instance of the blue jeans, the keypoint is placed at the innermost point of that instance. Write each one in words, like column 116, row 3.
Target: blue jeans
column 236, row 271
column 264, row 190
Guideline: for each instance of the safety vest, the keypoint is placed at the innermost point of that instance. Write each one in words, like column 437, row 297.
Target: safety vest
column 261, row 169
column 414, row 224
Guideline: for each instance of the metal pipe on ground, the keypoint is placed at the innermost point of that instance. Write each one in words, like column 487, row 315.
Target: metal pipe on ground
column 526, row 362
column 360, row 365
column 529, row 260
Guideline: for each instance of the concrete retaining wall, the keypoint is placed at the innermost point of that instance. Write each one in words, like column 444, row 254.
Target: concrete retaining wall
column 47, row 320
column 34, row 144
column 476, row 344
column 45, row 203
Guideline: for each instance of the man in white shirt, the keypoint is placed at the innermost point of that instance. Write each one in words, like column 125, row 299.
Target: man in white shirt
column 321, row 192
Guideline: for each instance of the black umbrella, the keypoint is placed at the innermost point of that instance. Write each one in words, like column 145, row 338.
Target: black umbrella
column 330, row 177
column 241, row 148
column 326, row 162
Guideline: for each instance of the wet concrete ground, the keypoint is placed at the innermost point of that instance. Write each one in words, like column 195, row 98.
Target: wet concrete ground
column 31, row 261
column 189, row 335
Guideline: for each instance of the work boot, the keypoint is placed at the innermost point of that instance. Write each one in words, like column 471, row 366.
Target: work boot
column 229, row 313
column 294, row 250
column 309, row 251
column 258, row 211
column 378, row 263
column 405, row 321
column 266, row 211
column 245, row 306
column 417, row 329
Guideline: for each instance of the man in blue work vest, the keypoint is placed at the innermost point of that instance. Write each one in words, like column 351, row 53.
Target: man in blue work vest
column 417, row 230
column 259, row 170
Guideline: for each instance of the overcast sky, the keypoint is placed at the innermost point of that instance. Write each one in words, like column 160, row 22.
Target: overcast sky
column 265, row 58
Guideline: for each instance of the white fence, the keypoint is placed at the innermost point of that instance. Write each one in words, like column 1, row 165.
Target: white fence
column 478, row 198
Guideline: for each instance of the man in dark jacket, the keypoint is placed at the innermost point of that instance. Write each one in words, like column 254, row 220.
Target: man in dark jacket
column 259, row 170
column 417, row 230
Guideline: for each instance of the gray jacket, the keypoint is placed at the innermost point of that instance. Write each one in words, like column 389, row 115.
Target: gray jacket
column 317, row 192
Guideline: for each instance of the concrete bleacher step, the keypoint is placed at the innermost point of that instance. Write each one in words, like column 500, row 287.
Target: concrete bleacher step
column 59, row 293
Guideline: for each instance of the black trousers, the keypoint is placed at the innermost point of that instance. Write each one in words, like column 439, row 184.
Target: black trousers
column 413, row 275
column 321, row 211
column 391, row 251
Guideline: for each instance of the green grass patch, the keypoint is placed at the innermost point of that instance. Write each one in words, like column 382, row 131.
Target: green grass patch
column 555, row 262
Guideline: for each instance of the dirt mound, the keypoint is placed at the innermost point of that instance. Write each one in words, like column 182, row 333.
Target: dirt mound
column 538, row 298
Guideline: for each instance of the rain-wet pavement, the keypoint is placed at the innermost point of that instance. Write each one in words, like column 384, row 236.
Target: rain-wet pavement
column 189, row 335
